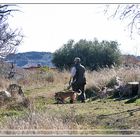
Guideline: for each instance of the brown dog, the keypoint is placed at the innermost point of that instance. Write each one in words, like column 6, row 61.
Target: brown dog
column 62, row 95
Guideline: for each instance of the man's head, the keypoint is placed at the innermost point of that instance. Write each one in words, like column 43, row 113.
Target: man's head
column 77, row 60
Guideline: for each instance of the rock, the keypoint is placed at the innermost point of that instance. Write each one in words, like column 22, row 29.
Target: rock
column 15, row 89
column 13, row 96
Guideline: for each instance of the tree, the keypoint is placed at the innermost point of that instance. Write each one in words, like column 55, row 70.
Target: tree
column 9, row 39
column 64, row 54
column 129, row 13
column 93, row 54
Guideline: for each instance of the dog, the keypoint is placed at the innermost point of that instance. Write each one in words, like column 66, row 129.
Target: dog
column 61, row 96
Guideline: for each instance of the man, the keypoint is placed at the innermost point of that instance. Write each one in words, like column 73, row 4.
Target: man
column 77, row 79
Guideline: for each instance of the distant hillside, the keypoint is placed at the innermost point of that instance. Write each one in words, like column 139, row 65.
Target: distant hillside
column 28, row 59
column 131, row 60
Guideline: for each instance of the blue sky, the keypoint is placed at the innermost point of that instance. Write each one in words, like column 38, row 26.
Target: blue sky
column 47, row 27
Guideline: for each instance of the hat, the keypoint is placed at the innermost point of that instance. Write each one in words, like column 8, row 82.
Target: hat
column 77, row 59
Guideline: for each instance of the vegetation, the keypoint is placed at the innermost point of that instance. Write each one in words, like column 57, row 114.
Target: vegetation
column 98, row 116
column 94, row 54
column 9, row 39
column 128, row 13
column 107, row 116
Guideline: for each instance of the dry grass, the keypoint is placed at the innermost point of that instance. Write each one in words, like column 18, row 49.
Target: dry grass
column 97, row 117
column 4, row 83
column 94, row 118
column 102, row 77
column 36, row 79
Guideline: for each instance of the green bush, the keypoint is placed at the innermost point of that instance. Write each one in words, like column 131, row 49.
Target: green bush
column 93, row 54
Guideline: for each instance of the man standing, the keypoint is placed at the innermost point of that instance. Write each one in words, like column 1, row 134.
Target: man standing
column 77, row 79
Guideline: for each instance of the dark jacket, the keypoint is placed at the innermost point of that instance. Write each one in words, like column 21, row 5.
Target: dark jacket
column 79, row 77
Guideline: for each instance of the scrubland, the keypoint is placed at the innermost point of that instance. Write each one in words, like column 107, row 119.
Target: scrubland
column 106, row 116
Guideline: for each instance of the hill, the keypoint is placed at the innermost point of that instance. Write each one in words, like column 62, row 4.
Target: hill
column 131, row 60
column 31, row 59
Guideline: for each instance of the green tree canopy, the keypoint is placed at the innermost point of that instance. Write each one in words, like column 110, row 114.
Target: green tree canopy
column 93, row 54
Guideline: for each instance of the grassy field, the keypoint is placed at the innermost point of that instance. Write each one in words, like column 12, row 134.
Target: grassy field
column 108, row 116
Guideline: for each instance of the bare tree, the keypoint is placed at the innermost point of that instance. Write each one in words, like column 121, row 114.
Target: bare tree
column 9, row 39
column 129, row 13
